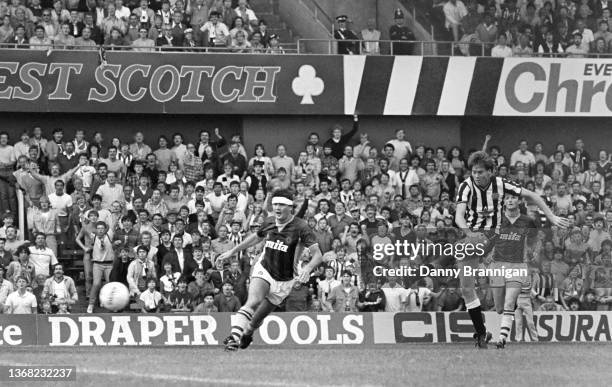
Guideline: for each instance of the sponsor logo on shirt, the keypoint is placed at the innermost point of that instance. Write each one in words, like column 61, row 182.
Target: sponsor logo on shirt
column 277, row 245
column 510, row 237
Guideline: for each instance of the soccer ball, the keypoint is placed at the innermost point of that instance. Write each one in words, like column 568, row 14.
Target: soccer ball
column 114, row 296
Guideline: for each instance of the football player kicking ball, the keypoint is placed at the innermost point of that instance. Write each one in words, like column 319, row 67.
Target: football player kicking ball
column 509, row 252
column 273, row 275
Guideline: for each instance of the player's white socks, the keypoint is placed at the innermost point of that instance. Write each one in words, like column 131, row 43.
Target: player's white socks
column 242, row 319
column 506, row 324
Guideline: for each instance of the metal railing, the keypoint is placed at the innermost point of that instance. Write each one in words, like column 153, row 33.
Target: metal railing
column 320, row 47
column 290, row 48
column 419, row 47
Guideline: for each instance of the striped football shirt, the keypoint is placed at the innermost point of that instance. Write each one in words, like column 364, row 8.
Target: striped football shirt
column 484, row 205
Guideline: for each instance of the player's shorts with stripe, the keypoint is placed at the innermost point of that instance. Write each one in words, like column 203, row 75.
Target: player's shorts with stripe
column 524, row 281
column 279, row 290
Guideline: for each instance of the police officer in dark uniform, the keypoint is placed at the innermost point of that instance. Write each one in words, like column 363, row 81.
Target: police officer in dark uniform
column 400, row 32
column 343, row 33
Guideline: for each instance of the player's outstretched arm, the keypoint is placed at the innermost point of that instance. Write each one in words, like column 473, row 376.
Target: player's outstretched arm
column 250, row 241
column 538, row 201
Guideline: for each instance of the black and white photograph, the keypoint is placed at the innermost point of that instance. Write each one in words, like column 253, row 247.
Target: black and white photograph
column 292, row 193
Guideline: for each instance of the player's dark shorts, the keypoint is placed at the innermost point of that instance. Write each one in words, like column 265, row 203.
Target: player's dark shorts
column 522, row 281
column 279, row 290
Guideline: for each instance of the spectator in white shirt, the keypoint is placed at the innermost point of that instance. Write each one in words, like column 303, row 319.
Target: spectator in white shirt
column 522, row 155
column 216, row 34
column 41, row 256
column 110, row 191
column 121, row 11
column 395, row 295
column 246, row 14
column 454, row 11
column 20, row 301
column 371, row 36
column 501, row 50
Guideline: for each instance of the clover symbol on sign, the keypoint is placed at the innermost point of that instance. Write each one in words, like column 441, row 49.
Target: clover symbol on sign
column 307, row 84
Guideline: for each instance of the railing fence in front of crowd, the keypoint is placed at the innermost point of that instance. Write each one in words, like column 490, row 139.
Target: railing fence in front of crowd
column 325, row 47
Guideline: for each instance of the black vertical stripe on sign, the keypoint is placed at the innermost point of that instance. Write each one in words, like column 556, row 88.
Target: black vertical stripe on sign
column 483, row 90
column 429, row 88
column 374, row 85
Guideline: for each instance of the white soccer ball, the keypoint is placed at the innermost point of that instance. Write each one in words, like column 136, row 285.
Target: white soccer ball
column 114, row 296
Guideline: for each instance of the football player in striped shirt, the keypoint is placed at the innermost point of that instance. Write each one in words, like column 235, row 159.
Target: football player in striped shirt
column 273, row 275
column 509, row 249
column 479, row 211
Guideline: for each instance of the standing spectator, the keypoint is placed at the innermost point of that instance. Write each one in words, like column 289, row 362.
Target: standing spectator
column 395, row 295
column 246, row 14
column 398, row 33
column 344, row 297
column 8, row 196
column 454, row 12
column 338, row 141
column 102, row 257
column 371, row 37
column 486, row 32
column 20, row 301
column 41, row 256
column 347, row 40
column 214, row 32
column 144, row 14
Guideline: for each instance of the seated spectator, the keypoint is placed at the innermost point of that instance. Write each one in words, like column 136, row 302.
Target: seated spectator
column 599, row 48
column 577, row 49
column 85, row 41
column 189, row 40
column 143, row 43
column 180, row 300
column 241, row 44
column 208, row 304
column 501, row 50
column 274, row 46
column 115, row 40
column 64, row 40
column 151, row 300
column 257, row 47
column 39, row 41
column 59, row 289
column 246, row 13
column 144, row 14
column 19, row 40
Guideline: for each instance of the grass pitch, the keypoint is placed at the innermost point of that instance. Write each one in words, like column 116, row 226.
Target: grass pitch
column 432, row 365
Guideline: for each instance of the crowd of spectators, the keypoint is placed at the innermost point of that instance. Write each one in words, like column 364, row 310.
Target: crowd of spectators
column 522, row 28
column 154, row 213
column 138, row 25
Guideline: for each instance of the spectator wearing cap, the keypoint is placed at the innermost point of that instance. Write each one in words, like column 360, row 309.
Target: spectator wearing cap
column 214, row 32
column 401, row 35
column 347, row 40
column 274, row 46
column 189, row 40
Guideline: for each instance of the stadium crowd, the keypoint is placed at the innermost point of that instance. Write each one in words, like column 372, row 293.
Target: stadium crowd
column 154, row 213
column 527, row 28
column 137, row 25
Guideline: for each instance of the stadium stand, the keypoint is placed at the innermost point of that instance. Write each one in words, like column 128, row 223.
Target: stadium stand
column 357, row 197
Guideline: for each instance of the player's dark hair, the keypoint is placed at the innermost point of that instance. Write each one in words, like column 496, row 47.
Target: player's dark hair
column 283, row 193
